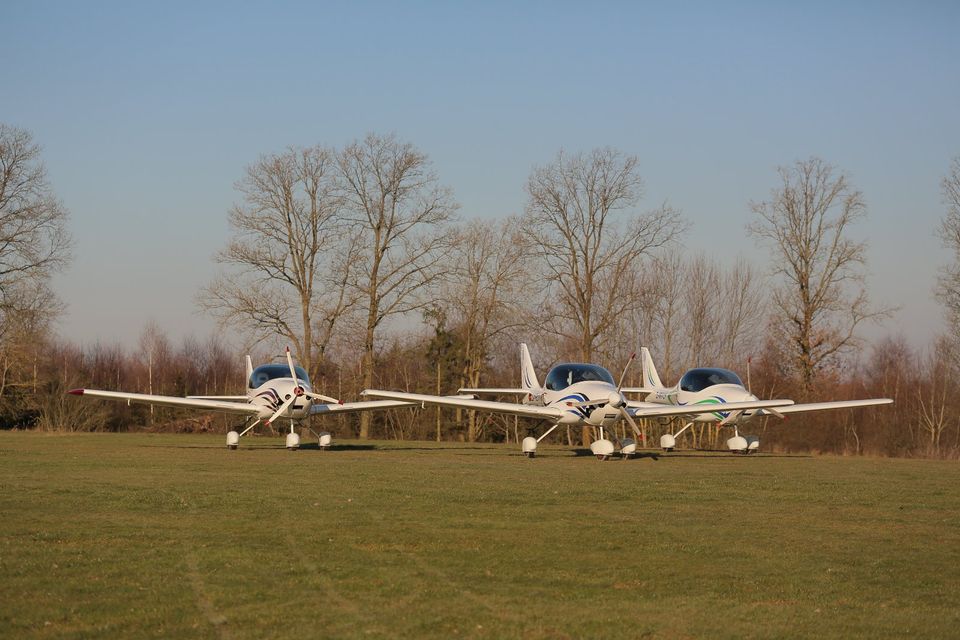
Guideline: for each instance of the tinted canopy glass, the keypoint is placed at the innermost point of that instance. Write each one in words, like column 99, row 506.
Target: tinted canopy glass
column 700, row 379
column 267, row 372
column 564, row 375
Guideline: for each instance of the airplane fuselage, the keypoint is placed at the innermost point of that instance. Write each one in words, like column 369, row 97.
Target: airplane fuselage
column 714, row 394
column 271, row 395
column 603, row 414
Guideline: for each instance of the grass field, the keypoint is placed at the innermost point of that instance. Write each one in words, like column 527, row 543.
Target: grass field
column 132, row 535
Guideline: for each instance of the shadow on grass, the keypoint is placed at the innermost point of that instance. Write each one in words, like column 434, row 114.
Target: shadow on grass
column 723, row 454
column 268, row 444
column 652, row 455
column 315, row 446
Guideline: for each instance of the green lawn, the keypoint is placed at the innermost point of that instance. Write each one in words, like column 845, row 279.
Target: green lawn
column 132, row 535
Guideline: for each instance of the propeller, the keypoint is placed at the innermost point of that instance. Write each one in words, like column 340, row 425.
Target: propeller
column 283, row 409
column 622, row 405
column 616, row 400
column 623, row 375
column 629, row 418
column 320, row 396
column 300, row 391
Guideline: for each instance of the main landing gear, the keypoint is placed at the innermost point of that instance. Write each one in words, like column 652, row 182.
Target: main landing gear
column 603, row 449
column 292, row 442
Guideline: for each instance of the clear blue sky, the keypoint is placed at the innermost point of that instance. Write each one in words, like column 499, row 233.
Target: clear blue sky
column 149, row 112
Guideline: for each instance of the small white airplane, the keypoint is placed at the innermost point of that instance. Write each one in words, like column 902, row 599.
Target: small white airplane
column 573, row 394
column 274, row 391
column 717, row 389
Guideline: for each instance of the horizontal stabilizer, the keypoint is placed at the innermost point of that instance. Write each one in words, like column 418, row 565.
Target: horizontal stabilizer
column 639, row 389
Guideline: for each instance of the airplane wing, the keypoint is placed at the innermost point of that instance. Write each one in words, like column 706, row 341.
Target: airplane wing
column 348, row 407
column 501, row 392
column 653, row 410
column 638, row 389
column 224, row 398
column 839, row 404
column 526, row 410
column 173, row 401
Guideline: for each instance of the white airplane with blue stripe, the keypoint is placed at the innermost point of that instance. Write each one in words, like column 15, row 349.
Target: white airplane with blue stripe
column 717, row 389
column 573, row 394
column 274, row 392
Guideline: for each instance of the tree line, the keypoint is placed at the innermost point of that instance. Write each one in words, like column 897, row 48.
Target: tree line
column 356, row 258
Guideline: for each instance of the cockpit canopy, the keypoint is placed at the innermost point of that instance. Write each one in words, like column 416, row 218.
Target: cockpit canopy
column 564, row 375
column 699, row 379
column 267, row 372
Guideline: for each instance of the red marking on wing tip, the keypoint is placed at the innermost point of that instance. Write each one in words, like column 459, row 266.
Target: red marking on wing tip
column 288, row 349
column 76, row 392
column 339, row 401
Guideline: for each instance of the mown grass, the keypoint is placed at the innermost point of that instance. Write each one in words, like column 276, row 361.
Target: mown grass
column 132, row 535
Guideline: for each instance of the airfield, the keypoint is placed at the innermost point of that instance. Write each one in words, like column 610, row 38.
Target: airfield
column 144, row 535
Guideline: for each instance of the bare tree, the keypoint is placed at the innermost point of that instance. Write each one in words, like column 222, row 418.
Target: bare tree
column 744, row 313
column 34, row 245
column 822, row 300
column 396, row 212
column 948, row 284
column 34, row 242
column 934, row 395
column 664, row 280
column 485, row 292
column 587, row 239
column 701, row 297
column 289, row 270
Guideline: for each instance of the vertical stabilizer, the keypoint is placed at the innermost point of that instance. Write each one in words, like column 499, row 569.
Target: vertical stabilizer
column 528, row 376
column 650, row 377
column 249, row 371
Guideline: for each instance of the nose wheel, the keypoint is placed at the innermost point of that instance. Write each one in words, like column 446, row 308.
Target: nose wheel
column 293, row 439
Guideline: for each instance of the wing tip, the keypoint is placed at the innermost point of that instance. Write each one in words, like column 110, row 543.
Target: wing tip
column 75, row 392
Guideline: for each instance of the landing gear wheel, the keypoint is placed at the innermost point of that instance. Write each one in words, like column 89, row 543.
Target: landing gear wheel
column 293, row 442
column 602, row 448
column 529, row 447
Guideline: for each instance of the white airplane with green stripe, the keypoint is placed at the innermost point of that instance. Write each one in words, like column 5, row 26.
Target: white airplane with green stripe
column 705, row 386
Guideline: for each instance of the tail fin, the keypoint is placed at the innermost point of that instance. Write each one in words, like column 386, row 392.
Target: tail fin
column 528, row 375
column 650, row 376
column 249, row 371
